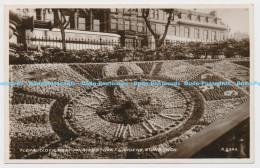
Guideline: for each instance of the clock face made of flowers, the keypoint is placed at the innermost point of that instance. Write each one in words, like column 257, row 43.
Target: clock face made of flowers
column 132, row 114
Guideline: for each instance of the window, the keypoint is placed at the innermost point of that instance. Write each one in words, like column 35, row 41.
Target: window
column 127, row 25
column 197, row 33
column 157, row 14
column 152, row 13
column 113, row 24
column 96, row 24
column 140, row 27
column 210, row 20
column 184, row 16
column 164, row 15
column 133, row 25
column 127, row 11
column 218, row 35
column 202, row 19
column 113, row 10
column 205, row 35
column 44, row 14
column 153, row 27
column 81, row 23
column 120, row 24
column 38, row 14
column 218, row 21
column 187, row 32
column 213, row 36
column 197, row 18
column 206, row 20
column 223, row 37
column 193, row 17
column 174, row 30
column 162, row 29
column 72, row 22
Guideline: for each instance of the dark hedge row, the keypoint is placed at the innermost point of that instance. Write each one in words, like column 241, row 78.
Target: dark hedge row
column 177, row 51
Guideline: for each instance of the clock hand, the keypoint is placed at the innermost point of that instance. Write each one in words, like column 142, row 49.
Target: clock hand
column 133, row 101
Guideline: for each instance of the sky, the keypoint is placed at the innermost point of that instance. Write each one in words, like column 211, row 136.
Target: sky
column 236, row 19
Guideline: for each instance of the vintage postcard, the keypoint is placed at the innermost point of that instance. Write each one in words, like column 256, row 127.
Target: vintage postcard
column 161, row 83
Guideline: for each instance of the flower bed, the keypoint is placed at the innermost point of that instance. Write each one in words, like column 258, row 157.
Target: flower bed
column 146, row 66
column 47, row 73
column 213, row 92
column 81, row 71
column 121, row 69
column 158, row 68
column 217, row 109
column 94, row 70
column 197, row 62
column 29, row 130
column 179, row 70
column 198, row 110
column 44, row 124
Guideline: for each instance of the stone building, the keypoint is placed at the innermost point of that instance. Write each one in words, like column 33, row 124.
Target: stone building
column 128, row 25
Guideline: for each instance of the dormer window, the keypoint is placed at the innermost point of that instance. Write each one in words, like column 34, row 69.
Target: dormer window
column 202, row 19
column 218, row 21
column 193, row 17
column 183, row 16
column 210, row 20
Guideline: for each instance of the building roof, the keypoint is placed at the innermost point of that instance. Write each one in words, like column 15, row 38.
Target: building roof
column 193, row 12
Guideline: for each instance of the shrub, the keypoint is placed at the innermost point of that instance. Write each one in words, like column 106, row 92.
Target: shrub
column 14, row 46
column 175, row 51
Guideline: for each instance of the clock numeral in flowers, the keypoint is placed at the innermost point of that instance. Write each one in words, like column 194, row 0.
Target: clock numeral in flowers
column 151, row 126
column 156, row 89
column 122, row 130
column 171, row 116
column 99, row 95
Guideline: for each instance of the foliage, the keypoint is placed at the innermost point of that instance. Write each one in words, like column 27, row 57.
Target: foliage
column 15, row 18
column 171, row 51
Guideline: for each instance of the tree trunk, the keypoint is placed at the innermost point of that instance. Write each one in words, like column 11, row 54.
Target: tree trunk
column 159, row 41
column 62, row 25
column 63, row 39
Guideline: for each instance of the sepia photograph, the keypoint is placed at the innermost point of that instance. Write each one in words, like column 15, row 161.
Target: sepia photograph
column 110, row 84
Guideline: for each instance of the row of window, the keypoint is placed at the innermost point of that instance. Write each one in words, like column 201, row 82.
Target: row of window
column 127, row 25
column 205, row 34
column 199, row 18
column 187, row 33
column 155, row 14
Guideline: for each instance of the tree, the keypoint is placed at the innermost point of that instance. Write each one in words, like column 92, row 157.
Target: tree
column 62, row 23
column 159, row 40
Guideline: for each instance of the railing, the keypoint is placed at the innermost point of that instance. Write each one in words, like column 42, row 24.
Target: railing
column 79, row 44
column 73, row 44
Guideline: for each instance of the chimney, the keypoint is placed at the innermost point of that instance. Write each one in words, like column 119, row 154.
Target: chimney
column 213, row 13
